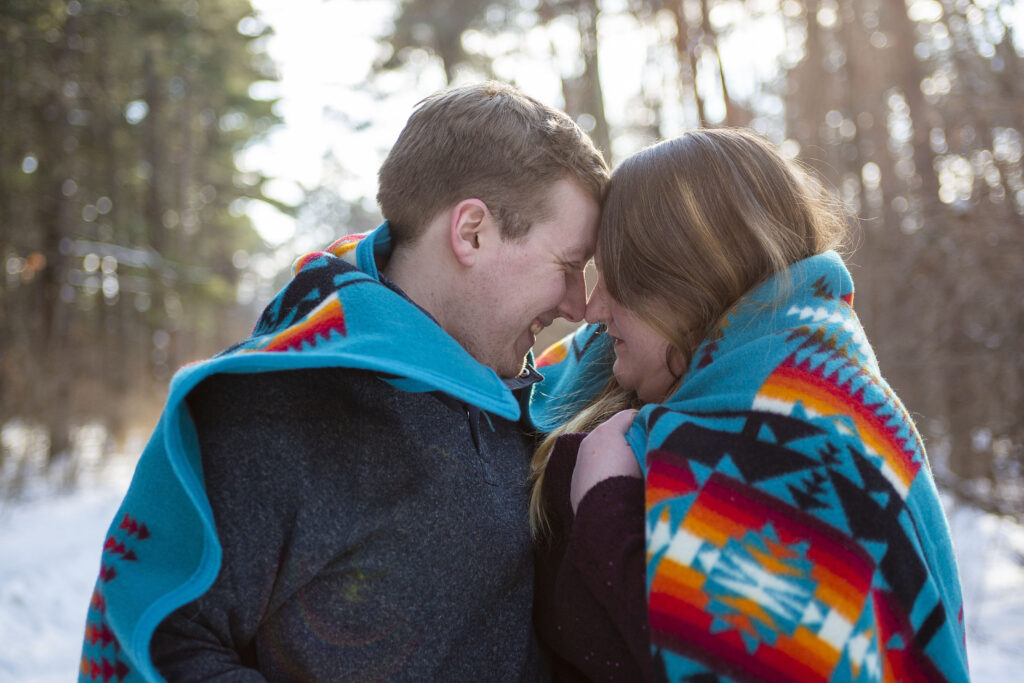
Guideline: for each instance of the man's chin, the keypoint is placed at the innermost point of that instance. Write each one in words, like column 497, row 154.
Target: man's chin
column 511, row 369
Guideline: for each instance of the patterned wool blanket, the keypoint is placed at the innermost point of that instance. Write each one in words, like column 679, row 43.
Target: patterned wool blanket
column 793, row 528
column 161, row 550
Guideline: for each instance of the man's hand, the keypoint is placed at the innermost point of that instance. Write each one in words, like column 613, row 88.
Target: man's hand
column 604, row 453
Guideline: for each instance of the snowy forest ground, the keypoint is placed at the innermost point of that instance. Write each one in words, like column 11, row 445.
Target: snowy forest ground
column 50, row 549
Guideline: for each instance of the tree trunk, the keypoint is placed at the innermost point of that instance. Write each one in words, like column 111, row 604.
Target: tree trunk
column 732, row 113
column 583, row 94
column 686, row 57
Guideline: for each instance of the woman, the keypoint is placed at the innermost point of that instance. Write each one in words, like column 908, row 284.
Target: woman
column 752, row 501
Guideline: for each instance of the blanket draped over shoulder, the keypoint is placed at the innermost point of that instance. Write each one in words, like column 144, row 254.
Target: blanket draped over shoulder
column 793, row 528
column 161, row 551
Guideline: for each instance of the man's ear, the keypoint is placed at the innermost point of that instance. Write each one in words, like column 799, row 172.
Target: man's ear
column 470, row 219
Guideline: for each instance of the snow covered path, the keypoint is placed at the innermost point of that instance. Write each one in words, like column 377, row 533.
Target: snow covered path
column 50, row 550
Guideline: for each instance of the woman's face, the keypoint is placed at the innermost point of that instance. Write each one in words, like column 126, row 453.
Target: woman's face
column 641, row 354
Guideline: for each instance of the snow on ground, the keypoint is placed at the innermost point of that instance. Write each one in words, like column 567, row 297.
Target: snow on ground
column 50, row 551
column 990, row 553
column 49, row 558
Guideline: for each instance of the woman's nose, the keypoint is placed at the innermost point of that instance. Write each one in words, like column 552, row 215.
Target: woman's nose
column 597, row 305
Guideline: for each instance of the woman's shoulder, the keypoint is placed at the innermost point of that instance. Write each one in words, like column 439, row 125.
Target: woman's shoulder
column 558, row 473
column 558, row 478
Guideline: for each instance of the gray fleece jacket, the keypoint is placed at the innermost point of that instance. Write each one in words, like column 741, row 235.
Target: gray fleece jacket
column 368, row 534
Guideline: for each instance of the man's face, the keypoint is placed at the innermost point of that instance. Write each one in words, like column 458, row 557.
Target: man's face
column 524, row 285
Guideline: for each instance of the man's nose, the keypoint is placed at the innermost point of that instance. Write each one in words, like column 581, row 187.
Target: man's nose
column 574, row 303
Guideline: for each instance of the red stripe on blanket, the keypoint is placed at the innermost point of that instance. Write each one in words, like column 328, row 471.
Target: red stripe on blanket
column 901, row 660
column 669, row 475
column 328, row 317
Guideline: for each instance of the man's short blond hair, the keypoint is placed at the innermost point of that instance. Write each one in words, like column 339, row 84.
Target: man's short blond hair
column 488, row 141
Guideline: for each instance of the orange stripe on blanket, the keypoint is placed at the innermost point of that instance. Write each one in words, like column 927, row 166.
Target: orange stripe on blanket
column 845, row 597
column 790, row 384
column 807, row 648
column 345, row 244
column 704, row 521
column 680, row 582
column 326, row 318
column 555, row 353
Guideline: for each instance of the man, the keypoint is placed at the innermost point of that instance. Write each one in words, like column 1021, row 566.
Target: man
column 343, row 495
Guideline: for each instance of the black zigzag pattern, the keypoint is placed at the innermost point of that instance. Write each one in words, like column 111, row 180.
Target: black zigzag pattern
column 305, row 292
column 756, row 460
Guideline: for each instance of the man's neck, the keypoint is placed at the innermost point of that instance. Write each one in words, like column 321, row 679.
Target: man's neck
column 405, row 269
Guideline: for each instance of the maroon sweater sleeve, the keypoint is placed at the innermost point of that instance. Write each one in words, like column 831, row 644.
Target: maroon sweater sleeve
column 590, row 606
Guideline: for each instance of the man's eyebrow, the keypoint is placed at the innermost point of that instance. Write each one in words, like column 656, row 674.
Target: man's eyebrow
column 576, row 256
column 579, row 262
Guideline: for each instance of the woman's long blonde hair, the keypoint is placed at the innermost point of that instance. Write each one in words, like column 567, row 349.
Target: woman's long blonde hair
column 688, row 226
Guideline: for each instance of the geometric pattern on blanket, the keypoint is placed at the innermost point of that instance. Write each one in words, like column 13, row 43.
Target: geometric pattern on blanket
column 783, row 549
column 119, row 547
column 752, row 589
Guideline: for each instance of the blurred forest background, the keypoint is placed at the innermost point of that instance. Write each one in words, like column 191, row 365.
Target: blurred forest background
column 127, row 250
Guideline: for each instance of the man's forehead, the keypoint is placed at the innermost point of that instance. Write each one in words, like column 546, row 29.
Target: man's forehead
column 571, row 229
column 583, row 243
